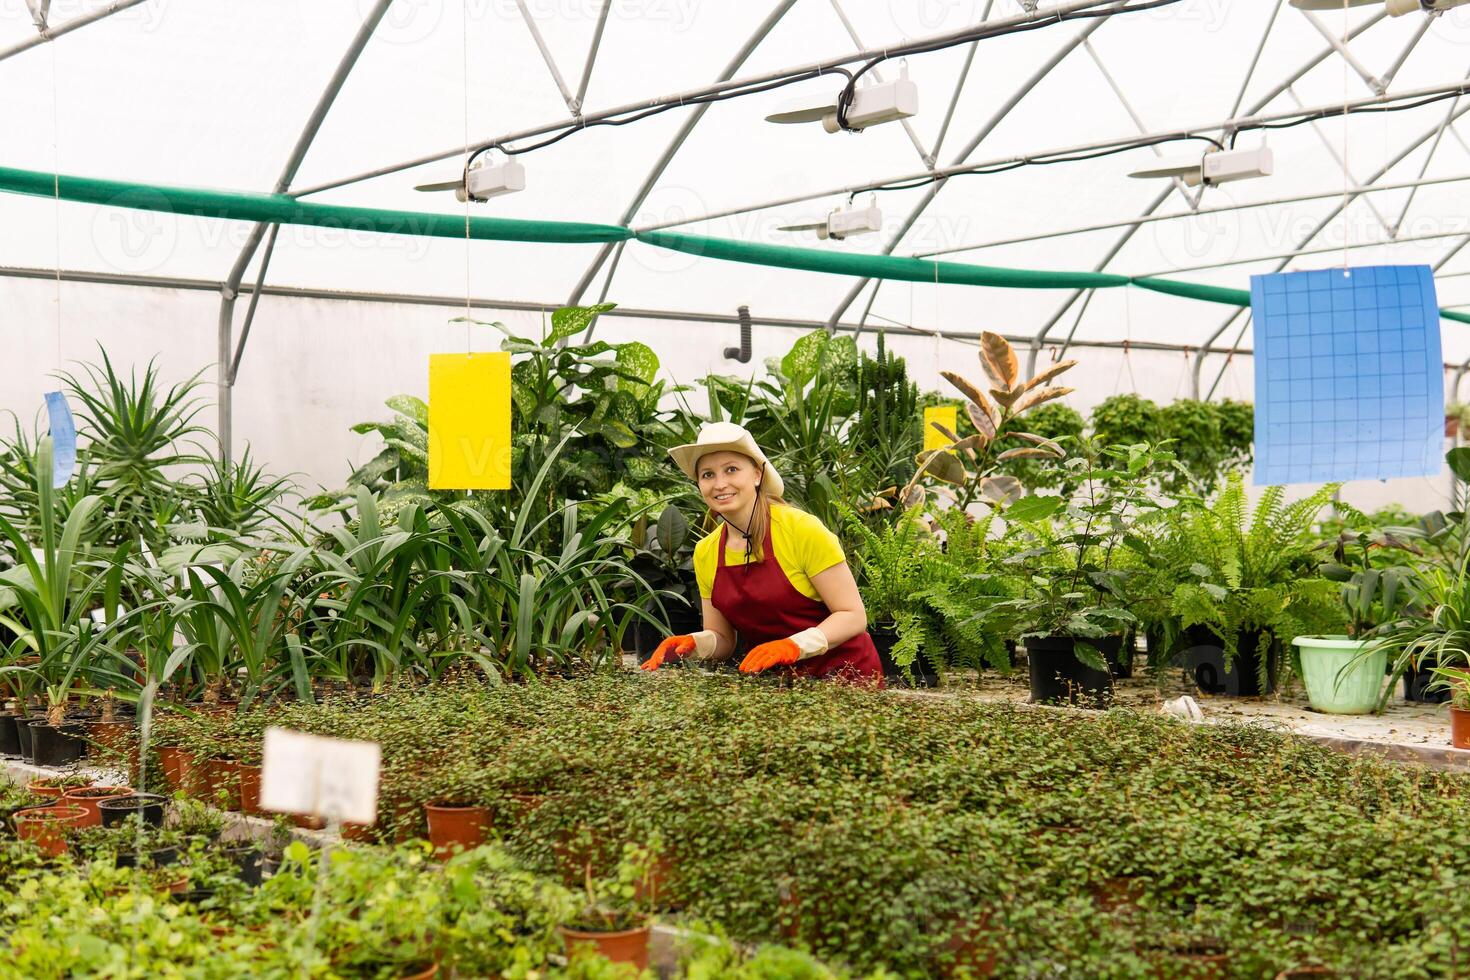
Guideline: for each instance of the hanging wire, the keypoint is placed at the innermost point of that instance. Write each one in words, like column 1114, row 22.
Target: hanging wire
column 464, row 50
column 56, row 187
column 1346, row 124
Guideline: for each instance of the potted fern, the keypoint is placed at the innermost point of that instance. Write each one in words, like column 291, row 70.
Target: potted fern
column 1248, row 581
column 892, row 563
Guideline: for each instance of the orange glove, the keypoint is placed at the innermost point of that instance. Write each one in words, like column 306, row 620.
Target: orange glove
column 779, row 653
column 701, row 644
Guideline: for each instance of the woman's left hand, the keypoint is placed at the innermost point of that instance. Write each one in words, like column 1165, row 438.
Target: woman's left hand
column 777, row 653
column 780, row 653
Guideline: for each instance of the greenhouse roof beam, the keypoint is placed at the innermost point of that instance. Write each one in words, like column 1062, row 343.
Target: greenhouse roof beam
column 661, row 164
column 1176, row 215
column 1424, row 168
column 229, row 360
column 925, row 156
column 718, row 88
column 48, row 33
column 592, row 52
column 1455, row 113
column 1348, row 179
column 458, row 302
column 1176, row 182
column 1004, row 110
column 1250, row 71
column 1259, row 104
column 1340, row 46
column 573, row 106
column 1393, row 72
column 1114, row 142
column 1298, row 253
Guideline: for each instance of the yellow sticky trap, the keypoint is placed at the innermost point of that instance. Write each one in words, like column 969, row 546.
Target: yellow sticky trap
column 469, row 421
column 947, row 416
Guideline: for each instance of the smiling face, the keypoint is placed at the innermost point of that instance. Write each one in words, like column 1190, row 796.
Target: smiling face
column 727, row 482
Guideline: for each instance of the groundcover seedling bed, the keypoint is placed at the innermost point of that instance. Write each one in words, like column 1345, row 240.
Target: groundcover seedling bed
column 922, row 836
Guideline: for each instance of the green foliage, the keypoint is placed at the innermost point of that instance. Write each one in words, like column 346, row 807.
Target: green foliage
column 1060, row 423
column 886, row 429
column 1123, row 420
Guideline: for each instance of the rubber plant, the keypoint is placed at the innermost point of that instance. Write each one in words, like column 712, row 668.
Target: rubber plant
column 969, row 464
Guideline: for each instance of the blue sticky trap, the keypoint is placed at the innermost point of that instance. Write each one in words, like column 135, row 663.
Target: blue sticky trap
column 63, row 439
column 1349, row 375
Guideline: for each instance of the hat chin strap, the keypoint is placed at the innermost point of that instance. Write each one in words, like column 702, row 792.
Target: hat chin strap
column 745, row 532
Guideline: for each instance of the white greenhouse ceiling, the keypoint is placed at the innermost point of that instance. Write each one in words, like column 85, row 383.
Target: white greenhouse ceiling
column 217, row 94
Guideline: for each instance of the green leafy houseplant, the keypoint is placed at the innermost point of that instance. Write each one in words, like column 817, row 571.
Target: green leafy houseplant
column 1248, row 574
column 1074, row 581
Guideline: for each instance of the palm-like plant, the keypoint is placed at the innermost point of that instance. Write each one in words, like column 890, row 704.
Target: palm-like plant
column 239, row 498
column 137, row 431
column 46, row 598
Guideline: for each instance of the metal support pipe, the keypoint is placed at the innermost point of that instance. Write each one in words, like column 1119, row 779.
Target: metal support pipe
column 573, row 106
column 718, row 88
column 1424, row 168
column 1374, row 83
column 1341, row 161
column 1115, row 142
column 1176, row 215
column 1456, row 113
column 1004, row 110
column 230, row 288
column 665, row 158
column 592, row 53
column 1259, row 104
column 1297, row 253
column 52, row 33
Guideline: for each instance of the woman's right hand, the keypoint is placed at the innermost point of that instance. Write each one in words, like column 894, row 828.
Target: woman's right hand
column 701, row 644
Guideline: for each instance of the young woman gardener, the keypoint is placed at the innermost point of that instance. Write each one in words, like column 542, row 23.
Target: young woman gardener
column 773, row 574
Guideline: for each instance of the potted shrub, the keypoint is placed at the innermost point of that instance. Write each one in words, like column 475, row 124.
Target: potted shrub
column 664, row 559
column 610, row 918
column 1344, row 674
column 48, row 826
column 1072, row 611
column 88, row 798
column 457, row 817
column 1247, row 581
column 893, row 564
column 497, row 917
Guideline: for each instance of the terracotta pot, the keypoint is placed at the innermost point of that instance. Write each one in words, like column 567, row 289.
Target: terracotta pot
column 1459, row 728
column 88, row 797
column 432, row 971
column 628, row 946
column 176, row 763
column 359, row 833
column 45, row 787
column 177, row 887
column 219, row 782
column 456, row 828
column 970, row 950
column 1306, row 971
column 1117, row 894
column 1193, row 966
column 655, row 889
column 110, row 736
column 250, row 790
column 48, row 826
column 308, row 823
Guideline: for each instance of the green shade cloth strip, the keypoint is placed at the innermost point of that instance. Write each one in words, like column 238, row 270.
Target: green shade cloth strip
column 281, row 209
column 286, row 210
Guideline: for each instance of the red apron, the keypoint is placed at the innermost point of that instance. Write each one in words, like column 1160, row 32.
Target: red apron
column 762, row 604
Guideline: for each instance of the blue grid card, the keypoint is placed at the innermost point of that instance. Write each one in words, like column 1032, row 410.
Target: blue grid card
column 1349, row 376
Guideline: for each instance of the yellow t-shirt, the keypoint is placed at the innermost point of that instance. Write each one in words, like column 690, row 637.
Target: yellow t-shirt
column 802, row 544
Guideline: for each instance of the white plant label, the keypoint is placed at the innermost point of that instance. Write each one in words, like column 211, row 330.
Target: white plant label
column 320, row 777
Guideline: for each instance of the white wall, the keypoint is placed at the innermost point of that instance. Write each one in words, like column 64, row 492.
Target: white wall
column 315, row 367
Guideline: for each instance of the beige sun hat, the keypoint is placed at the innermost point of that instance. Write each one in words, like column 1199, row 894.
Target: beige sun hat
column 722, row 437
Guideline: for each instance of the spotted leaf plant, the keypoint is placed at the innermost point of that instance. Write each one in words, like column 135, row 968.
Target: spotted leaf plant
column 965, row 468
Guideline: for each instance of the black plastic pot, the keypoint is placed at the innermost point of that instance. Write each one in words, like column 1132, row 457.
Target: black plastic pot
column 1204, row 658
column 117, row 809
column 158, row 857
column 921, row 673
column 9, row 736
column 1058, row 677
column 23, row 736
column 1415, row 682
column 248, row 860
column 57, row 746
column 193, row 896
column 1120, row 661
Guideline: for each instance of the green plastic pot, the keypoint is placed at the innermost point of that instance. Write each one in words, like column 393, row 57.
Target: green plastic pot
column 1355, row 692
